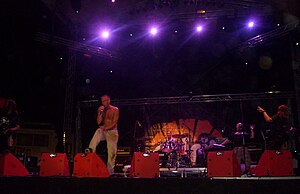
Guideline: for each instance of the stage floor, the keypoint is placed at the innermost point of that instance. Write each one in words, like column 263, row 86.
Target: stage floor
column 181, row 180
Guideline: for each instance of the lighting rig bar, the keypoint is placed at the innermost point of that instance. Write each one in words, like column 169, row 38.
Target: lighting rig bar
column 194, row 99
column 211, row 9
column 77, row 46
column 247, row 3
column 278, row 32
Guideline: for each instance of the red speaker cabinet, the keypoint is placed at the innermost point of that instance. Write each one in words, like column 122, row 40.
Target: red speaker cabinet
column 275, row 163
column 11, row 166
column 54, row 164
column 145, row 165
column 222, row 164
column 89, row 165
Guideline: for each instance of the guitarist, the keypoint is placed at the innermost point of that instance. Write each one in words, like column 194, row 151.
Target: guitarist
column 279, row 128
column 9, row 124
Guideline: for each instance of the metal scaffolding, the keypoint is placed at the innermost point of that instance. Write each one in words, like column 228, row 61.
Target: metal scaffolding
column 69, row 103
column 194, row 99
column 76, row 46
column 88, row 104
column 276, row 33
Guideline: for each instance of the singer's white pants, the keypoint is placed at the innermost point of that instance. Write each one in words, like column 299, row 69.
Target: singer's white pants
column 111, row 137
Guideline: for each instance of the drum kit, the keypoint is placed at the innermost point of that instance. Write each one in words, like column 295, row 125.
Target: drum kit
column 177, row 154
column 173, row 154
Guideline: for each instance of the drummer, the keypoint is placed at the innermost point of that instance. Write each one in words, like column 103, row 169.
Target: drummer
column 170, row 143
column 200, row 149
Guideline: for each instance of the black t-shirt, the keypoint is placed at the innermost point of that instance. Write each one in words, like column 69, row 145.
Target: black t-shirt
column 280, row 125
column 239, row 139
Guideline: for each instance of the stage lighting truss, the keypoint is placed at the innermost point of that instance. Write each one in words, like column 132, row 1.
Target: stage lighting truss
column 208, row 9
column 76, row 46
column 278, row 32
column 194, row 99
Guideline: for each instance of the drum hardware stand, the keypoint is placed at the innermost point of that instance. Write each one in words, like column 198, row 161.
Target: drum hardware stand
column 264, row 138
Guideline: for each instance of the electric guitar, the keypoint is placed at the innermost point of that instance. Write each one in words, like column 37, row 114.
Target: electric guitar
column 4, row 125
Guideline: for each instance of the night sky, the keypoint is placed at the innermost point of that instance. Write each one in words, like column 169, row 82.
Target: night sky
column 171, row 64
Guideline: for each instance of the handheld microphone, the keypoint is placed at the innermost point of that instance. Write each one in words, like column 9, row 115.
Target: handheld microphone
column 139, row 123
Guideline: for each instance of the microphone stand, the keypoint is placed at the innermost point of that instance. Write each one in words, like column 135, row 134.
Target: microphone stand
column 243, row 134
column 264, row 138
column 135, row 146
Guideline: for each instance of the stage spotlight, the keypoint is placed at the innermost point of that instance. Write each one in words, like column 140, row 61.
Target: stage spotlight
column 113, row 1
column 153, row 31
column 105, row 34
column 199, row 28
column 251, row 24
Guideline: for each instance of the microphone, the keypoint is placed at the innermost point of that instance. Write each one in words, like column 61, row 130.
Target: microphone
column 139, row 124
column 101, row 111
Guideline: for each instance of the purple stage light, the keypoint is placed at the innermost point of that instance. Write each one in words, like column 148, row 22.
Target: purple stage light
column 105, row 34
column 250, row 24
column 153, row 31
column 199, row 28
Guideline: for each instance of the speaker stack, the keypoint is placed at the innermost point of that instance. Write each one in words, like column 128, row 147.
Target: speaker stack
column 275, row 163
column 54, row 165
column 11, row 166
column 145, row 165
column 89, row 165
column 222, row 164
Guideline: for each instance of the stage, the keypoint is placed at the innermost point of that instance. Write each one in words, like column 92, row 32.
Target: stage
column 58, row 185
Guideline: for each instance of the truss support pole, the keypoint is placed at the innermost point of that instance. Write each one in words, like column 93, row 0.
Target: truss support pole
column 68, row 107
column 295, row 51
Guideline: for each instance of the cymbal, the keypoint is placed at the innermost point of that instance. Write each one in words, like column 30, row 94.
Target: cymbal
column 180, row 135
column 142, row 139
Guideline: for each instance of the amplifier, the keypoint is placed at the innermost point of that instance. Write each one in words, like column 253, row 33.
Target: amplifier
column 30, row 162
column 121, row 161
column 123, row 151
